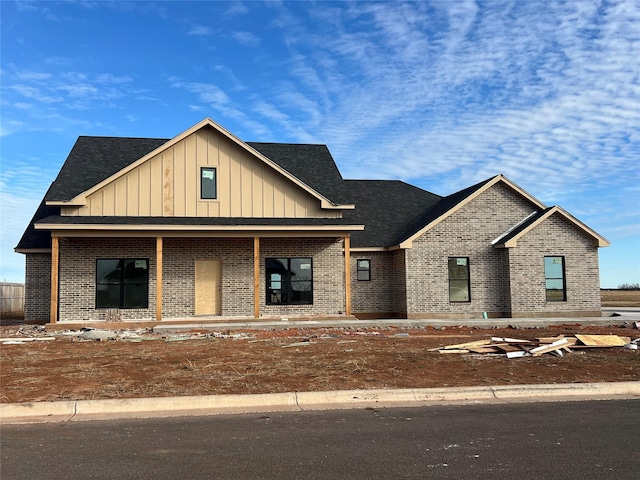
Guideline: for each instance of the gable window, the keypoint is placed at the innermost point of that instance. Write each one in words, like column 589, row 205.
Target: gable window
column 208, row 189
column 289, row 281
column 459, row 280
column 122, row 283
column 364, row 270
column 554, row 279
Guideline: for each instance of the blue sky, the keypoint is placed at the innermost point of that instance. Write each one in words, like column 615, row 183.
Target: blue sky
column 440, row 94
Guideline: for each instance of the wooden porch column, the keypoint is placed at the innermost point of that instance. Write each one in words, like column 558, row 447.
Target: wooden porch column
column 256, row 277
column 158, row 279
column 55, row 255
column 347, row 274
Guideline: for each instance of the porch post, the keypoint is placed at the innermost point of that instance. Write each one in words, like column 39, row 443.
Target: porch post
column 55, row 255
column 256, row 277
column 347, row 274
column 158, row 279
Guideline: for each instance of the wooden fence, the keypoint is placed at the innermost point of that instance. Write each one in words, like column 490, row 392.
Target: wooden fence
column 11, row 299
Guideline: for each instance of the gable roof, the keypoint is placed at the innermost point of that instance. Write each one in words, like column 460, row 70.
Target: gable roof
column 94, row 159
column 510, row 238
column 95, row 149
column 385, row 207
column 313, row 164
column 33, row 239
column 450, row 204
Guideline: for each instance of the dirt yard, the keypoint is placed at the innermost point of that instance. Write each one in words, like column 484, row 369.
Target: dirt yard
column 202, row 363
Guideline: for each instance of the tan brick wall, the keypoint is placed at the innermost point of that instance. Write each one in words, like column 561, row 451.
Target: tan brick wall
column 37, row 300
column 555, row 237
column 179, row 256
column 385, row 292
column 78, row 263
column 328, row 274
column 77, row 271
column 466, row 233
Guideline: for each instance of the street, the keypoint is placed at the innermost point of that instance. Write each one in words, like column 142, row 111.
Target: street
column 569, row 440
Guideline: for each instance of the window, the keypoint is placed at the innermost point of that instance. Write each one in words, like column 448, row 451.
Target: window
column 364, row 270
column 289, row 281
column 208, row 190
column 459, row 288
column 554, row 279
column 122, row 283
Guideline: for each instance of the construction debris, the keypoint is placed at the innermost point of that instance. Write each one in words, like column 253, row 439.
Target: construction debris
column 516, row 347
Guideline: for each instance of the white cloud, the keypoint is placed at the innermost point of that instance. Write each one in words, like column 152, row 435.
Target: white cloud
column 199, row 31
column 246, row 38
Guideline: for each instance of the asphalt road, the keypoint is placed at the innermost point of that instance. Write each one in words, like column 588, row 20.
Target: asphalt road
column 573, row 440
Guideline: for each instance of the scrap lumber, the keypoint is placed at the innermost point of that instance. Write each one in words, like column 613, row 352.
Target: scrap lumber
column 476, row 343
column 505, row 347
column 550, row 339
column 509, row 340
column 450, row 350
column 518, row 354
column 484, row 349
column 27, row 339
column 536, row 352
column 603, row 340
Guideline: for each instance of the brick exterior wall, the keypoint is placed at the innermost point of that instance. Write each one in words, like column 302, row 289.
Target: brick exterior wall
column 384, row 294
column 178, row 287
column 328, row 274
column 77, row 272
column 37, row 289
column 78, row 283
column 466, row 233
column 555, row 237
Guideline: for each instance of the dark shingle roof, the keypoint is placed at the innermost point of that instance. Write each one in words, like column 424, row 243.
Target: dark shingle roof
column 385, row 207
column 312, row 164
column 32, row 238
column 94, row 159
column 391, row 210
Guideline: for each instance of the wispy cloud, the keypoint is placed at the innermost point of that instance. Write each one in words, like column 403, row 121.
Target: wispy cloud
column 246, row 38
column 199, row 31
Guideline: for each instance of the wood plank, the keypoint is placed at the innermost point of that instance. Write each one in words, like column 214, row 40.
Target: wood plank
column 347, row 274
column 476, row 343
column 487, row 349
column 602, row 340
column 256, row 277
column 536, row 352
column 509, row 340
column 505, row 347
column 55, row 256
column 453, row 351
column 158, row 279
column 550, row 339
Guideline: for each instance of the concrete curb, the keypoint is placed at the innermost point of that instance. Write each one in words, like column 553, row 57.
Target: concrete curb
column 38, row 412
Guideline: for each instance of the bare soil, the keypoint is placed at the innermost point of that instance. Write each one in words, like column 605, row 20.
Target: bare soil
column 269, row 361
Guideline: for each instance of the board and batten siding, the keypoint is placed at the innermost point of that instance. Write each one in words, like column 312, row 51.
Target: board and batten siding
column 168, row 185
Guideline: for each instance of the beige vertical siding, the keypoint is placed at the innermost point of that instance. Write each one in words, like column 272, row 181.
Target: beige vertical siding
column 168, row 185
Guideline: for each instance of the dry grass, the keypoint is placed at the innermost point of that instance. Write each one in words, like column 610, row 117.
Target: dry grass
column 620, row 298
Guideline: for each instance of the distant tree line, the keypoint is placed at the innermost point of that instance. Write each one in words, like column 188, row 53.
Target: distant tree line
column 629, row 286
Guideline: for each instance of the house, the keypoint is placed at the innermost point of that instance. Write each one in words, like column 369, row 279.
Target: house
column 205, row 225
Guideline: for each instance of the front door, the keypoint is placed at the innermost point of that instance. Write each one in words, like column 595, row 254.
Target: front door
column 208, row 287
